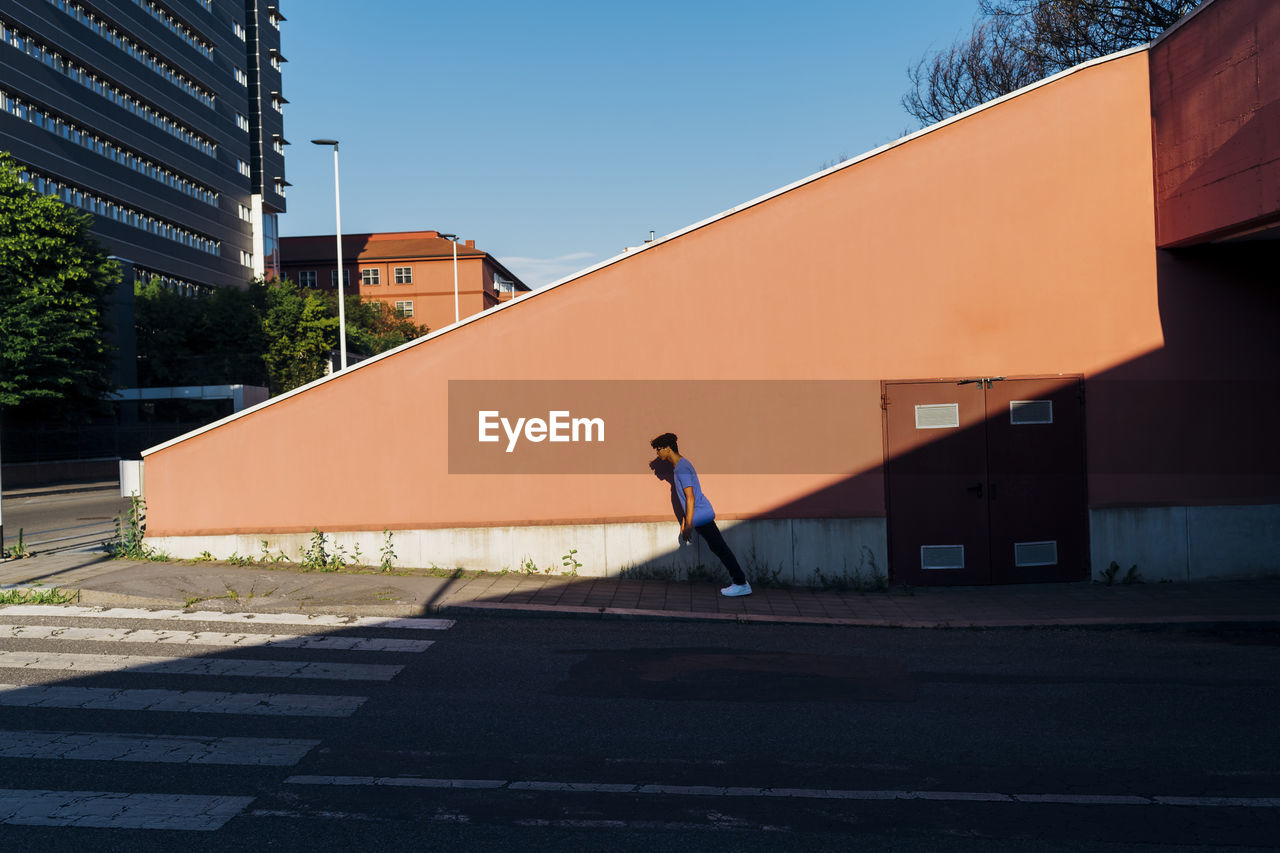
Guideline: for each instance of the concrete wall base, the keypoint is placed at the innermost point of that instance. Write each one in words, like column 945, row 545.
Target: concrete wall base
column 1164, row 543
column 850, row 553
column 1187, row 543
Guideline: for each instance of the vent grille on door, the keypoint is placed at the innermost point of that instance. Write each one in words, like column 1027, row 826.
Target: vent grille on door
column 1030, row 411
column 938, row 416
column 1035, row 553
column 942, row 556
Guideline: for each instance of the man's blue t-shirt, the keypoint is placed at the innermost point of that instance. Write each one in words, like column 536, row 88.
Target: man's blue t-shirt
column 686, row 476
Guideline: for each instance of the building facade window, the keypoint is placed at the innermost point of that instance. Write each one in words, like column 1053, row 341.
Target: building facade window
column 174, row 25
column 66, row 128
column 103, row 28
column 112, row 209
column 47, row 55
column 307, row 278
column 404, row 307
column 370, row 277
column 346, row 278
column 404, row 275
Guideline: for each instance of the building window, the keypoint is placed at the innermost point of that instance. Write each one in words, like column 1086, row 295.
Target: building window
column 307, row 278
column 369, row 277
column 242, row 78
column 404, row 307
column 346, row 278
column 404, row 275
column 239, row 30
column 242, row 122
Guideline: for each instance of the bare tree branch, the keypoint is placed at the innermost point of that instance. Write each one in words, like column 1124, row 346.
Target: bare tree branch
column 1016, row 42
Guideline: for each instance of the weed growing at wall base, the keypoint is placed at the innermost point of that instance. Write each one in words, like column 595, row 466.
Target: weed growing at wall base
column 1111, row 575
column 17, row 551
column 131, row 528
column 38, row 596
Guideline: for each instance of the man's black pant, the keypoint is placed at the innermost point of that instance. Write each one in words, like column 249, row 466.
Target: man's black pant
column 715, row 541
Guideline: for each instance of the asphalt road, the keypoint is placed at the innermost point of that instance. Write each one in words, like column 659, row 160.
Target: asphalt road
column 556, row 734
column 62, row 521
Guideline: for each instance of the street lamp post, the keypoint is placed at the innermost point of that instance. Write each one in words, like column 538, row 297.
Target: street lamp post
column 342, row 296
column 453, row 238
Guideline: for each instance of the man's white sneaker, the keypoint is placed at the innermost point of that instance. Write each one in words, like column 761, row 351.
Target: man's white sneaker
column 736, row 589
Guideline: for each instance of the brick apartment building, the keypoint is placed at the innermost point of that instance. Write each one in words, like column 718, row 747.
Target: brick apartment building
column 412, row 272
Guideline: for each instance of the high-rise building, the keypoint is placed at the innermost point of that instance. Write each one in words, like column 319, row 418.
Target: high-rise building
column 162, row 118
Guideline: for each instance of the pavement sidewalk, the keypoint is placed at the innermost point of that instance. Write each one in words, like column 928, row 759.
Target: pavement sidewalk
column 102, row 581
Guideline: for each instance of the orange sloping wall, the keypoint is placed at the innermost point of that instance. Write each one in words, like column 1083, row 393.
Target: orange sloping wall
column 1016, row 240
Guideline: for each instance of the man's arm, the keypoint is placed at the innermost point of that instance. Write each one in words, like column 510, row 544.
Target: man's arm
column 686, row 528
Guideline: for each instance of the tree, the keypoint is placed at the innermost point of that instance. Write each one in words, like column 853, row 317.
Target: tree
column 1017, row 42
column 372, row 327
column 273, row 333
column 301, row 331
column 54, row 283
column 209, row 339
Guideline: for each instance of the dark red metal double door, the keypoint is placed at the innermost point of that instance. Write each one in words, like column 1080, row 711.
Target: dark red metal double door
column 985, row 481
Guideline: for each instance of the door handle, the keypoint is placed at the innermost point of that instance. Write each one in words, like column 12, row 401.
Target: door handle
column 976, row 488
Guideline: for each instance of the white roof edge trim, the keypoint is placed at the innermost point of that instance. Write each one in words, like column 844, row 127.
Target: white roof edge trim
column 1178, row 24
column 646, row 247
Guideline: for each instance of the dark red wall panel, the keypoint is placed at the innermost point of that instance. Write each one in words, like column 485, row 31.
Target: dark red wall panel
column 1215, row 102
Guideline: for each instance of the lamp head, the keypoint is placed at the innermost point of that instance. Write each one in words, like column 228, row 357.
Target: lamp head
column 332, row 142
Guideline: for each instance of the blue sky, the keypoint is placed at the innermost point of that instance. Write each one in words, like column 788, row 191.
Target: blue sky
column 556, row 133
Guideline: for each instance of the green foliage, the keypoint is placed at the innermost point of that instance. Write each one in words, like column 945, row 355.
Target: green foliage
column 267, row 557
column 300, row 331
column 318, row 557
column 54, row 282
column 131, row 528
column 570, row 562
column 388, row 553
column 208, row 339
column 273, row 333
column 372, row 327
column 301, row 327
column 38, row 596
column 16, row 551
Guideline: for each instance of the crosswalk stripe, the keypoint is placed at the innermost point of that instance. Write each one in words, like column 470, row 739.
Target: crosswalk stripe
column 183, row 701
column 111, row 810
column 321, row 642
column 154, row 748
column 321, row 619
column 65, row 661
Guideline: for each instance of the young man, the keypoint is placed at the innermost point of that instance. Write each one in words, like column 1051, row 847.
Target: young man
column 698, row 513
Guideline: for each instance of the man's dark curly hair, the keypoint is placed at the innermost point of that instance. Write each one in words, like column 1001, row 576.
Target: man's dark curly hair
column 667, row 439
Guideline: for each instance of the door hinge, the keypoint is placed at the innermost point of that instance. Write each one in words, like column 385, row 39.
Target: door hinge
column 884, row 402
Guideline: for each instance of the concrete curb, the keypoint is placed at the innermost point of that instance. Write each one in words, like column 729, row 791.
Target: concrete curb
column 99, row 598
column 621, row 613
